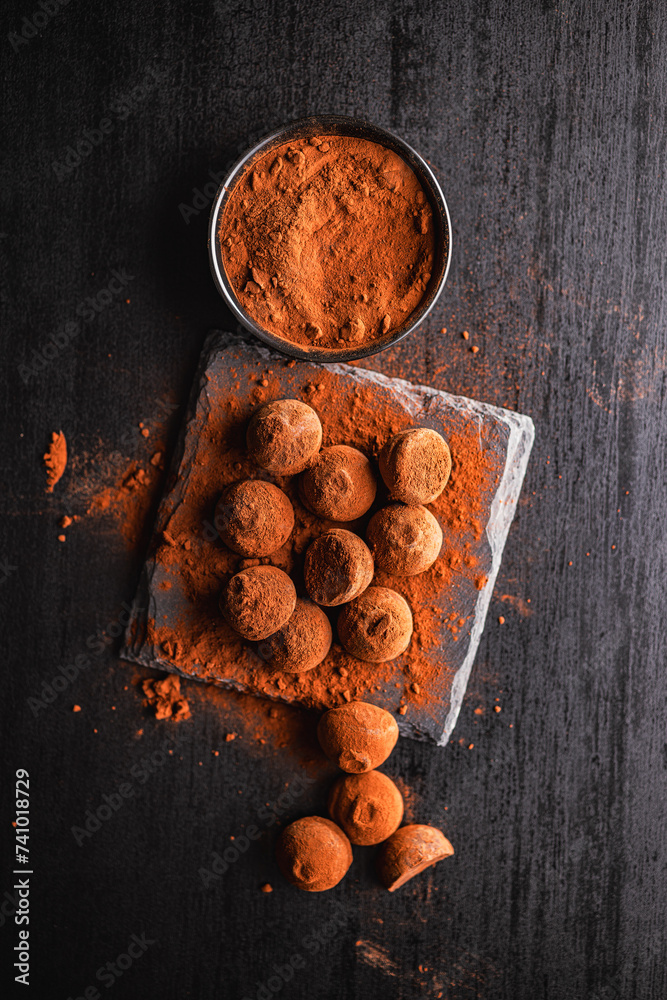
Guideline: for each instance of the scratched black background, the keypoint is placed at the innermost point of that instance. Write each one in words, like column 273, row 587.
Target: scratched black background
column 545, row 123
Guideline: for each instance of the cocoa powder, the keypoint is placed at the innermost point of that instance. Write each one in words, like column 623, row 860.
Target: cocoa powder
column 328, row 242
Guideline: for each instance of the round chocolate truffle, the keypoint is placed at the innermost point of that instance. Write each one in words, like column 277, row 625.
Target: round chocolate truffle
column 254, row 518
column 358, row 736
column 283, row 436
column 376, row 626
column 313, row 854
column 337, row 567
column 409, row 851
column 415, row 464
column 404, row 540
column 258, row 601
column 368, row 807
column 339, row 484
column 302, row 642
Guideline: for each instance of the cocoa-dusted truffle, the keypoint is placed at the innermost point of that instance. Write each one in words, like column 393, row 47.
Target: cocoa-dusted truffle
column 376, row 626
column 415, row 464
column 338, row 566
column 404, row 540
column 358, row 736
column 258, row 601
column 283, row 436
column 313, row 854
column 302, row 642
column 408, row 852
column 254, row 518
column 339, row 485
column 368, row 806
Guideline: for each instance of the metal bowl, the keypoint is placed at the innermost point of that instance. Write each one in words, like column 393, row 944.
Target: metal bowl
column 357, row 128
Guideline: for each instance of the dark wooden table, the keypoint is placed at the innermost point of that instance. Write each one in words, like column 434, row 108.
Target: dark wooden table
column 545, row 124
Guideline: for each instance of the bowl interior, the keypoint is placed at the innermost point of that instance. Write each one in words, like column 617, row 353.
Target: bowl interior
column 355, row 128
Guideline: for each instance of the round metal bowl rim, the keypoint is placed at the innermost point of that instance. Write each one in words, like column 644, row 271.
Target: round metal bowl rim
column 319, row 123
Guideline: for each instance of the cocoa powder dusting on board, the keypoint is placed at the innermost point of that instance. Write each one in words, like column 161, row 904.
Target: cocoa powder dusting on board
column 328, row 242
column 189, row 557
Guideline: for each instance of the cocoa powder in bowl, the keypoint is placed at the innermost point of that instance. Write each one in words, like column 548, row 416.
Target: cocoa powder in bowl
column 415, row 465
column 358, row 736
column 338, row 566
column 258, row 601
column 313, row 854
column 368, row 807
column 377, row 626
column 302, row 642
column 404, row 540
column 283, row 436
column 339, row 485
column 254, row 518
column 328, row 242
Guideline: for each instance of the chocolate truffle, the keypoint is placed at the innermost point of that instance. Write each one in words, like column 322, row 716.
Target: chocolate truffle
column 283, row 436
column 339, row 485
column 313, row 854
column 376, row 626
column 404, row 540
column 358, row 736
column 254, row 518
column 302, row 642
column 408, row 852
column 337, row 567
column 368, row 807
column 258, row 601
column 415, row 464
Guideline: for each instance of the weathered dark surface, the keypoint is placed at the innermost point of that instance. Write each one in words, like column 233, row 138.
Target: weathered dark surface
column 545, row 124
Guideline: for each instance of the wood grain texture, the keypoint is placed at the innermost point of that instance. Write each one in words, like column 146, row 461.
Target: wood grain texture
column 545, row 125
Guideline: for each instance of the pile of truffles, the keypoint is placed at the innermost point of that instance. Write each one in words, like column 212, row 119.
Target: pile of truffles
column 254, row 518
column 365, row 806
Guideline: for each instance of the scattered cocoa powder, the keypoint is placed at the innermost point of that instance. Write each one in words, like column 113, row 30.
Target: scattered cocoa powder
column 165, row 696
column 328, row 244
column 55, row 459
column 338, row 566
